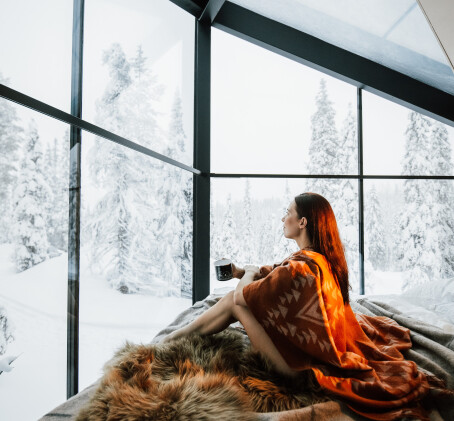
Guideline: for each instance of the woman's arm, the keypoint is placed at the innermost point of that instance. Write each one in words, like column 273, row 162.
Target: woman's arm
column 251, row 273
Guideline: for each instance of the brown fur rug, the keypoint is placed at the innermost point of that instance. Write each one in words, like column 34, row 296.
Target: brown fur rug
column 217, row 377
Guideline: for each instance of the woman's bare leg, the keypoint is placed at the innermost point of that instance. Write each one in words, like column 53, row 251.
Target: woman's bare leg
column 222, row 315
column 214, row 320
column 260, row 340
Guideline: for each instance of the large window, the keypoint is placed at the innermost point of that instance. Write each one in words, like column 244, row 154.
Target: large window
column 136, row 249
column 139, row 73
column 273, row 115
column 34, row 175
column 35, row 49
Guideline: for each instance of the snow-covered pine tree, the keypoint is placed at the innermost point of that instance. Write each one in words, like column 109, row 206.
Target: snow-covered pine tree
column 57, row 172
column 216, row 249
column 175, row 238
column 121, row 214
column 442, row 198
column 330, row 153
column 11, row 135
column 345, row 194
column 49, row 159
column 393, row 201
column 229, row 246
column 141, row 99
column 141, row 102
column 186, row 216
column 283, row 246
column 266, row 236
column 417, row 252
column 324, row 144
column 247, row 243
column 183, row 197
column 30, row 199
column 375, row 232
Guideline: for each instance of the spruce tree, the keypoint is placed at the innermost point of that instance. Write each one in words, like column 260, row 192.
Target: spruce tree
column 266, row 235
column 57, row 173
column 331, row 153
column 345, row 194
column 442, row 198
column 29, row 205
column 324, row 146
column 123, row 234
column 186, row 216
column 324, row 139
column 11, row 135
column 247, row 243
column 229, row 245
column 175, row 191
column 418, row 250
column 216, row 250
column 375, row 232
column 183, row 196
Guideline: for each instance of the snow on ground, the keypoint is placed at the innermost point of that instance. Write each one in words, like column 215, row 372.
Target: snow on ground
column 36, row 303
column 384, row 282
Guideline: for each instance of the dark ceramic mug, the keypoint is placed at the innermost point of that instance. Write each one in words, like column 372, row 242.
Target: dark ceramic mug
column 224, row 269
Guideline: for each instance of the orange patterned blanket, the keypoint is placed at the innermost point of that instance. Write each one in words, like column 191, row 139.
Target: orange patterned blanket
column 357, row 359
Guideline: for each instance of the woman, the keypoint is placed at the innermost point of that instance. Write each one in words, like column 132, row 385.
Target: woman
column 233, row 307
column 297, row 314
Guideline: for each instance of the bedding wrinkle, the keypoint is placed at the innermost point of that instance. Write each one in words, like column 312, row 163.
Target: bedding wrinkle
column 356, row 358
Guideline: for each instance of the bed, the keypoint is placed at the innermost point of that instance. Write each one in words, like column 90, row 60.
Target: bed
column 200, row 380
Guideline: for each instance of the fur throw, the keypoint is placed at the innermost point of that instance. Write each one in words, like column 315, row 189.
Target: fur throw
column 216, row 377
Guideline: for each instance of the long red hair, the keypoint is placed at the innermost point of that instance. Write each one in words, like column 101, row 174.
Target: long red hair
column 324, row 235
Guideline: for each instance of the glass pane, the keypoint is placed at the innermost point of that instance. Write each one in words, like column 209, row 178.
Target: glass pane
column 246, row 223
column 139, row 73
column 395, row 34
column 409, row 234
column 400, row 141
column 273, row 115
column 136, row 250
column 35, row 49
column 34, row 174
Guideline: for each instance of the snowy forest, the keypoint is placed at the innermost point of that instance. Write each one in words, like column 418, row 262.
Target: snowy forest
column 137, row 228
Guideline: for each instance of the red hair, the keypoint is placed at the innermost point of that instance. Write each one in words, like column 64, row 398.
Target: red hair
column 324, row 235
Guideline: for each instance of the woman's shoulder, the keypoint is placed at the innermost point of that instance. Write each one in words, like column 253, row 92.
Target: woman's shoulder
column 310, row 257
column 307, row 253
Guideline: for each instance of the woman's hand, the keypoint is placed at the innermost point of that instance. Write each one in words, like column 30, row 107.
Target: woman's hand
column 238, row 273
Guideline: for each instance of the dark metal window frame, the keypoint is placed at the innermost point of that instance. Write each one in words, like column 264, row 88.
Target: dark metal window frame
column 261, row 31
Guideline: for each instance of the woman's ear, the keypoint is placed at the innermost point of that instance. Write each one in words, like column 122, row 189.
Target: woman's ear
column 303, row 222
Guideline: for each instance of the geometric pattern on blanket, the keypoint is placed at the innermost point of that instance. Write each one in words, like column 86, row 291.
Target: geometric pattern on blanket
column 299, row 304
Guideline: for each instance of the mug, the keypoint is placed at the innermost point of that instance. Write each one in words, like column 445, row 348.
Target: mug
column 224, row 269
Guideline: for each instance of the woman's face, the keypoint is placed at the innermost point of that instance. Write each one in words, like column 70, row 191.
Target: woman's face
column 292, row 227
